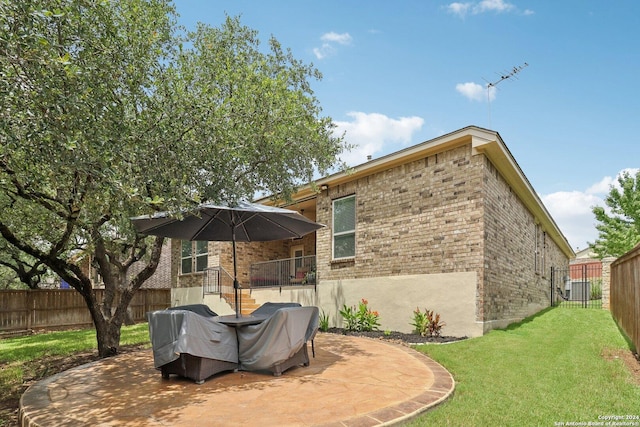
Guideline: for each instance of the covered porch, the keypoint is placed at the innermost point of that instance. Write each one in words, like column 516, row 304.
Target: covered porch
column 275, row 265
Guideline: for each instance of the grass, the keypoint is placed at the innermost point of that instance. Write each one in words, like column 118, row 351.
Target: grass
column 547, row 369
column 22, row 359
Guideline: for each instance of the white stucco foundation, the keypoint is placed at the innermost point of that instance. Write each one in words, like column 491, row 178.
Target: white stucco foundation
column 194, row 295
column 394, row 298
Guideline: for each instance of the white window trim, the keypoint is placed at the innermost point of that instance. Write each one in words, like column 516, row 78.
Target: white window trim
column 341, row 233
column 194, row 257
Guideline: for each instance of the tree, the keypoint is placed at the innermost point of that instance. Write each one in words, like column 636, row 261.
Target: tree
column 619, row 230
column 24, row 268
column 109, row 112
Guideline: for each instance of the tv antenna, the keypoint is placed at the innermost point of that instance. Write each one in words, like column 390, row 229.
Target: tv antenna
column 511, row 74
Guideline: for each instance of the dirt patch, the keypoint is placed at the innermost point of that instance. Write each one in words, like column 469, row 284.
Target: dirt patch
column 630, row 359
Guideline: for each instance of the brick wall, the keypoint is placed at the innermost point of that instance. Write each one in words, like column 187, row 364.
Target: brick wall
column 447, row 213
column 515, row 282
column 161, row 279
column 247, row 253
column 419, row 218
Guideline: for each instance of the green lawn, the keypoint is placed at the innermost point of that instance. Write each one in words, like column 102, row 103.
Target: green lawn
column 547, row 369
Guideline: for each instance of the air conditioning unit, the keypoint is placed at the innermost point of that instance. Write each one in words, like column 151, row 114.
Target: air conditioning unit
column 578, row 290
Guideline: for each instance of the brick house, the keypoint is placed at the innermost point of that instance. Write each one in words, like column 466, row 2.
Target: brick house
column 451, row 225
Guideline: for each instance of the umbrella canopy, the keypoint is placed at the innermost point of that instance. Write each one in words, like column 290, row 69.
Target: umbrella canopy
column 243, row 222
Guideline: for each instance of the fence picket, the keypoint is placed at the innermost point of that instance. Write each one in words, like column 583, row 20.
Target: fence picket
column 62, row 308
column 625, row 294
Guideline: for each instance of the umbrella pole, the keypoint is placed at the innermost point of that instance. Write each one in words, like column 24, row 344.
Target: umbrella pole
column 235, row 273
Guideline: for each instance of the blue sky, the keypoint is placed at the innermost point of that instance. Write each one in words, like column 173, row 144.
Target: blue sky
column 397, row 73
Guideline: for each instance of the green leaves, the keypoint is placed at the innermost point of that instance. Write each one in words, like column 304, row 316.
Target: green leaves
column 108, row 112
column 360, row 318
column 619, row 226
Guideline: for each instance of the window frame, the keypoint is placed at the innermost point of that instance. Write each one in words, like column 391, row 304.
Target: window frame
column 540, row 246
column 335, row 234
column 199, row 251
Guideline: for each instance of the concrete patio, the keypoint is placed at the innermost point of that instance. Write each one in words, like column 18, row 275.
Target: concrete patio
column 351, row 382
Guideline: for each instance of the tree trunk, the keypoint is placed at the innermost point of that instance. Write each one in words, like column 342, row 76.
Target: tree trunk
column 114, row 310
column 108, row 337
column 107, row 326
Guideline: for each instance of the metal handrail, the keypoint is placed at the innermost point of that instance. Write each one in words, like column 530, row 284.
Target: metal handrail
column 217, row 280
column 299, row 271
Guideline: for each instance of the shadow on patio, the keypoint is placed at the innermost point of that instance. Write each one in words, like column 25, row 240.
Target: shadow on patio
column 352, row 381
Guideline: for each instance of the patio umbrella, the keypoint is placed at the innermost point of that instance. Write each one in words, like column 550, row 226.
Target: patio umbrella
column 242, row 222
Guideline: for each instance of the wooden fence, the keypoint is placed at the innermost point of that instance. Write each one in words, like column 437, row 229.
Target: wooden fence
column 625, row 294
column 64, row 308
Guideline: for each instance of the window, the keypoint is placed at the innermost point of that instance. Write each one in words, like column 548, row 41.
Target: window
column 540, row 247
column 194, row 256
column 344, row 227
column 544, row 253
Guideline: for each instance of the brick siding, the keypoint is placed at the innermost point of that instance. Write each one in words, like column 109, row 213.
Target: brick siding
column 419, row 218
column 447, row 213
column 511, row 286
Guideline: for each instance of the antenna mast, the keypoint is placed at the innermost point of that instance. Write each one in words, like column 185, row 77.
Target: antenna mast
column 515, row 70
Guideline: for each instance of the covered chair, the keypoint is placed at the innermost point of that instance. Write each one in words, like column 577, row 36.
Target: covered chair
column 191, row 345
column 280, row 342
column 269, row 308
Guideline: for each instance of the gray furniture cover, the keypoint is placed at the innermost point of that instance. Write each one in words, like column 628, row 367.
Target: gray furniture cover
column 269, row 308
column 175, row 333
column 279, row 342
column 201, row 309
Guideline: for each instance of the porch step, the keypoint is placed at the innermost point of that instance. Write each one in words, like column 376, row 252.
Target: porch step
column 248, row 303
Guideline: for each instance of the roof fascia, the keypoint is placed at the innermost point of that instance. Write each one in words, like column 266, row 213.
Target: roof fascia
column 491, row 145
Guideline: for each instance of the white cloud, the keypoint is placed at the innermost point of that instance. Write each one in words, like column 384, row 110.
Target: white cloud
column 604, row 185
column 343, row 38
column 476, row 92
column 330, row 39
column 572, row 210
column 493, row 6
column 476, row 8
column 459, row 9
column 374, row 133
column 325, row 50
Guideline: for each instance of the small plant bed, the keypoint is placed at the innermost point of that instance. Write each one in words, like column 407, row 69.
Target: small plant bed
column 396, row 336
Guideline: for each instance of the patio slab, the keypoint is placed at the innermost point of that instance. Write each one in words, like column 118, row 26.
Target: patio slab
column 351, row 382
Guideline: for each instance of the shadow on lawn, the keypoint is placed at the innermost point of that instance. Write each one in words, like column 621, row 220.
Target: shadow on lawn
column 526, row 320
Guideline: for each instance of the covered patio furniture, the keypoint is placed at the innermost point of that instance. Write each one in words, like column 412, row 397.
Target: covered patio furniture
column 280, row 342
column 269, row 308
column 238, row 222
column 201, row 309
column 191, row 345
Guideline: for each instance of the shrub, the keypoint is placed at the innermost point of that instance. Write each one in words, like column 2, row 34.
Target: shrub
column 427, row 323
column 361, row 318
column 324, row 322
